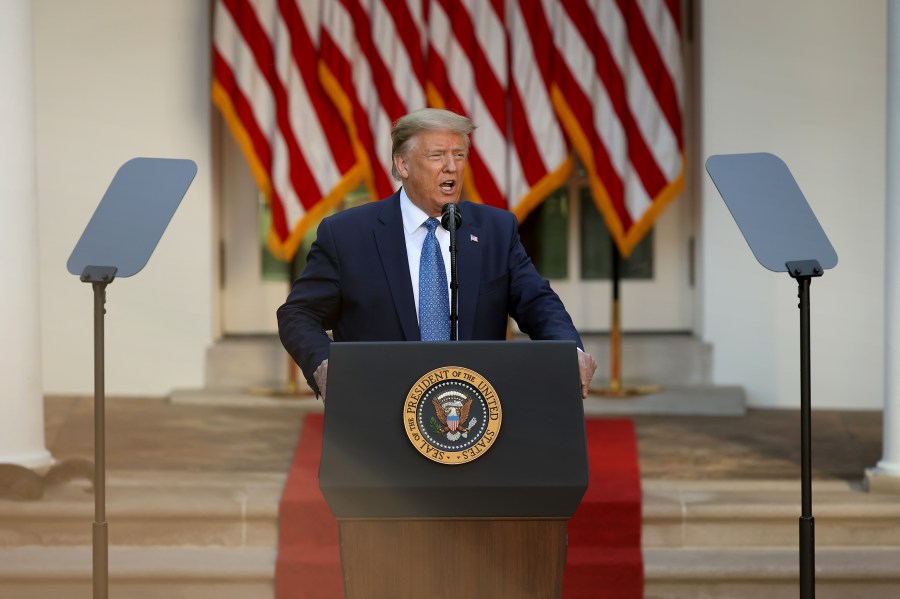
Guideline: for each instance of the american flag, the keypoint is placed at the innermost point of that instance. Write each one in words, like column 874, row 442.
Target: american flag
column 616, row 87
column 310, row 88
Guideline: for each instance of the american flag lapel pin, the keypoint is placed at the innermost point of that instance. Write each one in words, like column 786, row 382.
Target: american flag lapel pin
column 473, row 238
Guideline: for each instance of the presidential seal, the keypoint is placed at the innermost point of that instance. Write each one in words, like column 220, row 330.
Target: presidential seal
column 452, row 415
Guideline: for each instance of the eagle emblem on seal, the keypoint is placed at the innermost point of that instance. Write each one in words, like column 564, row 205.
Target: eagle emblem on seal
column 452, row 409
column 452, row 415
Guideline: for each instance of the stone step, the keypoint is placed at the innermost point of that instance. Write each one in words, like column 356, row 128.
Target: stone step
column 235, row 510
column 152, row 509
column 248, row 397
column 699, row 514
column 254, row 370
column 245, row 573
column 677, row 359
column 770, row 572
column 669, row 358
column 246, row 361
column 680, row 400
column 139, row 572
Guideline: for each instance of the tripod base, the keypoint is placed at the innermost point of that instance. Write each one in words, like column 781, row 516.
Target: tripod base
column 619, row 392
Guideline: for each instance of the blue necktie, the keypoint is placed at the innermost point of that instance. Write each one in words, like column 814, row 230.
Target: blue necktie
column 434, row 296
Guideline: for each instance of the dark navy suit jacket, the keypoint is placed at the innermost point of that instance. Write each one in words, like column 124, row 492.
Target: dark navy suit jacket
column 357, row 284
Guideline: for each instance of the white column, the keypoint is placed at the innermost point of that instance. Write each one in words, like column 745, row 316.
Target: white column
column 21, row 397
column 890, row 461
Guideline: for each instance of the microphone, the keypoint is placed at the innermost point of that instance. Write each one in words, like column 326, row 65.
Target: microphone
column 451, row 218
column 446, row 211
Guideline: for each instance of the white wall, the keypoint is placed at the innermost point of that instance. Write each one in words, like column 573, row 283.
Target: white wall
column 805, row 80
column 116, row 80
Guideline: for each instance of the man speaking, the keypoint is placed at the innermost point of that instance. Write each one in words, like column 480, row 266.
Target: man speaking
column 380, row 271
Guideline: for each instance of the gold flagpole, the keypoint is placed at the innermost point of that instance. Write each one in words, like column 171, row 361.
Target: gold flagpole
column 615, row 347
column 616, row 389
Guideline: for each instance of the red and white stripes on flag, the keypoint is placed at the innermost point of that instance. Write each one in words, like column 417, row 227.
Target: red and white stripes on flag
column 266, row 84
column 617, row 83
column 542, row 159
column 372, row 68
column 311, row 88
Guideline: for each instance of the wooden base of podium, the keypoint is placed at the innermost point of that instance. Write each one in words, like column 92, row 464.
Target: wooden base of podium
column 449, row 559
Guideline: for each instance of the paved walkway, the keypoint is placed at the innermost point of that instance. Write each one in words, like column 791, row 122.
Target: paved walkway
column 152, row 434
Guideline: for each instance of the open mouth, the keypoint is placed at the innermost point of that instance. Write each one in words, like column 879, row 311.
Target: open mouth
column 448, row 186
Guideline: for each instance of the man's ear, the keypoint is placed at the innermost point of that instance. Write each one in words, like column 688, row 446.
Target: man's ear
column 400, row 164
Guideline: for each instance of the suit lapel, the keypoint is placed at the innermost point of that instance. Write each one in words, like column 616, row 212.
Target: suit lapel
column 468, row 254
column 391, row 242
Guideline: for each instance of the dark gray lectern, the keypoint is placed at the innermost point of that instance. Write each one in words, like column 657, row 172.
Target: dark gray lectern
column 118, row 241
column 785, row 236
column 413, row 527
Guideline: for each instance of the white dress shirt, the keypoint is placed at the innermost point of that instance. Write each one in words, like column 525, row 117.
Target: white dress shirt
column 414, row 228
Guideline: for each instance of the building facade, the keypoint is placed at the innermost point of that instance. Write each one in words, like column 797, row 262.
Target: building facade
column 806, row 80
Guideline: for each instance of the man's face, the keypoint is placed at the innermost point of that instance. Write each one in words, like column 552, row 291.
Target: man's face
column 432, row 170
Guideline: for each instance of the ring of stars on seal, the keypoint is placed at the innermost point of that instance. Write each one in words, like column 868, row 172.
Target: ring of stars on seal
column 452, row 415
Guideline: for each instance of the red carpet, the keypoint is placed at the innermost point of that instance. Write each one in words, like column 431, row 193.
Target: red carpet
column 604, row 559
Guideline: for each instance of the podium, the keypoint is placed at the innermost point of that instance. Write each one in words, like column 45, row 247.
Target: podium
column 426, row 511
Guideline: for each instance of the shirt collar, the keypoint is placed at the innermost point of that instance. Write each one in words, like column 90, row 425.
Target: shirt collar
column 413, row 216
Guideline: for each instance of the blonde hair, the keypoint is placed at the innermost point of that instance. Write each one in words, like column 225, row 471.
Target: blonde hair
column 427, row 119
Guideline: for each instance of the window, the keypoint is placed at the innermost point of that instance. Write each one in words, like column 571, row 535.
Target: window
column 549, row 231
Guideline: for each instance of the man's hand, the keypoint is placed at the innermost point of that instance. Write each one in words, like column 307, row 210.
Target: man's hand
column 321, row 377
column 586, row 367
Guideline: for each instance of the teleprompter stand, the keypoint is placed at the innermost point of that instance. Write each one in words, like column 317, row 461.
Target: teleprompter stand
column 118, row 241
column 785, row 236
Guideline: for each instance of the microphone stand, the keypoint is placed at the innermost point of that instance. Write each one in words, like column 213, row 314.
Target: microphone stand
column 450, row 220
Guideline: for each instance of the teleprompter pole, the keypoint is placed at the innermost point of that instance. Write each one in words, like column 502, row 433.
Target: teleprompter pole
column 118, row 241
column 101, row 529
column 803, row 271
column 779, row 226
column 100, row 277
